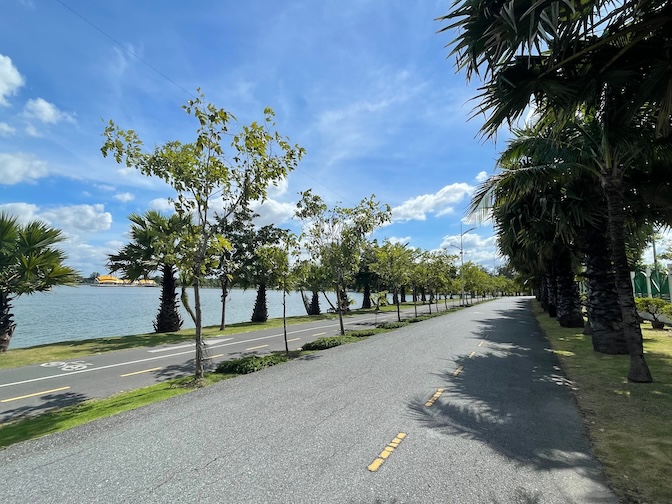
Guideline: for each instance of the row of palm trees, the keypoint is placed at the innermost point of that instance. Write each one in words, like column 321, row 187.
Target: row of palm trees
column 590, row 178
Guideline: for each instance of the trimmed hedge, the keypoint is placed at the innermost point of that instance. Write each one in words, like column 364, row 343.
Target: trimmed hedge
column 329, row 342
column 364, row 333
column 250, row 364
column 392, row 325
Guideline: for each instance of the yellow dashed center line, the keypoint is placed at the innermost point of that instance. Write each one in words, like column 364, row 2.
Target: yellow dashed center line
column 458, row 370
column 293, row 339
column 319, row 334
column 471, row 355
column 256, row 347
column 140, row 372
column 433, row 399
column 481, row 343
column 375, row 465
column 33, row 395
column 217, row 356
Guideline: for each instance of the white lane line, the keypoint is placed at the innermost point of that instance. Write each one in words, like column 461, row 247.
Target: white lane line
column 188, row 345
column 128, row 363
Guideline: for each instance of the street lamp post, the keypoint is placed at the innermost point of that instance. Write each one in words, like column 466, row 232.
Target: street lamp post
column 461, row 249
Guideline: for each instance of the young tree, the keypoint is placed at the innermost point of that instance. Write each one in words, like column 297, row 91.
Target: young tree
column 29, row 263
column 203, row 171
column 393, row 262
column 335, row 237
column 154, row 241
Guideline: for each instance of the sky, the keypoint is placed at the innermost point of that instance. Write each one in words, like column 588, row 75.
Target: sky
column 367, row 87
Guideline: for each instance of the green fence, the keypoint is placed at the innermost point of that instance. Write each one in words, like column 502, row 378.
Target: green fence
column 651, row 284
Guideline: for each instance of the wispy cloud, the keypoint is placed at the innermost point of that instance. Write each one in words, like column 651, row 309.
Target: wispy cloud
column 6, row 129
column 10, row 79
column 440, row 203
column 20, row 167
column 45, row 112
column 124, row 197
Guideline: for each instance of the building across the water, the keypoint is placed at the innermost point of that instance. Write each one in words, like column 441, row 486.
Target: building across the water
column 112, row 281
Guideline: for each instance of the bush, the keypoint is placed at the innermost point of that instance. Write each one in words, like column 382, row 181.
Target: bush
column 250, row 364
column 417, row 319
column 392, row 325
column 363, row 333
column 329, row 342
column 653, row 306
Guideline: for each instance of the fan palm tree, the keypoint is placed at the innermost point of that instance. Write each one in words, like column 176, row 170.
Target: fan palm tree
column 29, row 262
column 154, row 238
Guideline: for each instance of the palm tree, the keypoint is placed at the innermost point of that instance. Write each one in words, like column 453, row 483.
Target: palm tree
column 609, row 59
column 29, row 263
column 154, row 239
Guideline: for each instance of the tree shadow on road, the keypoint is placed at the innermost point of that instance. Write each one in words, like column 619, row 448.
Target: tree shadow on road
column 48, row 402
column 512, row 396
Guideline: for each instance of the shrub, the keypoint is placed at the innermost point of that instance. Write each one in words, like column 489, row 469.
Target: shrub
column 392, row 325
column 654, row 307
column 329, row 342
column 417, row 319
column 250, row 363
column 363, row 333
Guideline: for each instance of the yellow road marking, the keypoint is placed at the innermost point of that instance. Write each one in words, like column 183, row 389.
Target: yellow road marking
column 320, row 334
column 481, row 343
column 458, row 370
column 294, row 339
column 140, row 372
column 387, row 451
column 471, row 355
column 33, row 395
column 433, row 399
column 218, row 355
column 256, row 347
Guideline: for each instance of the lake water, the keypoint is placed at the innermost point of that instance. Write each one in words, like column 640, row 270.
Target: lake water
column 77, row 313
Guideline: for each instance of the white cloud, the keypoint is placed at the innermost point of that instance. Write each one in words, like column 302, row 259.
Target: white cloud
column 32, row 131
column 161, row 204
column 440, row 203
column 6, row 129
column 19, row 167
column 45, row 112
column 87, row 218
column 10, row 79
column 394, row 239
column 124, row 197
column 481, row 177
column 277, row 189
column 273, row 212
column 104, row 187
column 24, row 212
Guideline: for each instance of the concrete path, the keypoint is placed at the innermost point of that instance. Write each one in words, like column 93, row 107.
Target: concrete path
column 466, row 408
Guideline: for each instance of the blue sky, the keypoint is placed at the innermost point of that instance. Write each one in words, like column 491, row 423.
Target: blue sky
column 364, row 86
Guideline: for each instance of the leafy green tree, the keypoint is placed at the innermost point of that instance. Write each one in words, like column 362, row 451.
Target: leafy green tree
column 393, row 264
column 154, row 241
column 204, row 170
column 314, row 277
column 29, row 262
column 335, row 237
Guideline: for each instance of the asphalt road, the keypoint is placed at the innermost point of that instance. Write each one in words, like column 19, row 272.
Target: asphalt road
column 466, row 408
column 31, row 390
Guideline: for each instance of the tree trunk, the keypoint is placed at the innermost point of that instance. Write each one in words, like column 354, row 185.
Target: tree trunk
column 7, row 324
column 543, row 293
column 402, row 293
column 604, row 312
column 339, row 301
column 168, row 318
column 200, row 347
column 260, row 313
column 396, row 296
column 315, row 304
column 552, row 287
column 639, row 370
column 568, row 302
column 224, row 283
column 366, row 298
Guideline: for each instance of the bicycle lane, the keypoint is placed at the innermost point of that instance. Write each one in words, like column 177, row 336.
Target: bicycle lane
column 37, row 388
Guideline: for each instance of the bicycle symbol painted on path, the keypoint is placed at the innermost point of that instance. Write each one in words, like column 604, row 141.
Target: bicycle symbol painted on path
column 68, row 366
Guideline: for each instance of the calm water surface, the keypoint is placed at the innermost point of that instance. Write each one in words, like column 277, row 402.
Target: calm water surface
column 77, row 313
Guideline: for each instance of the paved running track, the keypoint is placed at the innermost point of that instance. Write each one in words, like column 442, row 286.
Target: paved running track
column 470, row 407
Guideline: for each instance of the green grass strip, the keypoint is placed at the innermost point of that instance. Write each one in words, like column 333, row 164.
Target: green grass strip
column 628, row 423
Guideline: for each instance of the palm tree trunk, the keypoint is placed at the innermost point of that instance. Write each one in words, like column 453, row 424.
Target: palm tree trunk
column 366, row 298
column 639, row 370
column 168, row 319
column 315, row 304
column 552, row 288
column 604, row 312
column 7, row 325
column 568, row 302
column 543, row 293
column 260, row 313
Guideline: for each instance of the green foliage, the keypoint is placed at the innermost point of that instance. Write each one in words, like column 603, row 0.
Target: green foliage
column 364, row 333
column 653, row 306
column 329, row 342
column 418, row 319
column 250, row 363
column 392, row 325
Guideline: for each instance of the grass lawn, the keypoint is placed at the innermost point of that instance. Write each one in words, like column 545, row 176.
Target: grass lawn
column 629, row 424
